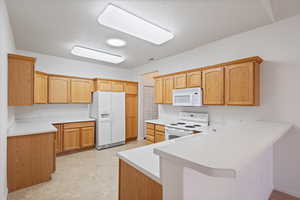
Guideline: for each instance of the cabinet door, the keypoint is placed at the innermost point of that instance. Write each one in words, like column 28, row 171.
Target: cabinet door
column 168, row 90
column 131, row 88
column 104, row 85
column 158, row 90
column 131, row 116
column 159, row 138
column 117, row 86
column 40, row 88
column 213, row 86
column 59, row 89
column 87, row 137
column 80, row 91
column 180, row 81
column 194, row 79
column 58, row 138
column 240, row 84
column 71, row 139
column 20, row 80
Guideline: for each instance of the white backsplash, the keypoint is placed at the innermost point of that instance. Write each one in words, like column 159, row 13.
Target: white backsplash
column 52, row 111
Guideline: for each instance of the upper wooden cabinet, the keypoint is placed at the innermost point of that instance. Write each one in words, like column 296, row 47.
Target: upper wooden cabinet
column 168, row 89
column 59, row 89
column 194, row 79
column 103, row 85
column 131, row 88
column 213, row 86
column 242, row 84
column 180, row 81
column 80, row 91
column 117, row 86
column 20, row 80
column 40, row 88
column 158, row 90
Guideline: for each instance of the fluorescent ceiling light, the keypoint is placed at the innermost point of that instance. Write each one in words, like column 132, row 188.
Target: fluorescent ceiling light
column 124, row 21
column 115, row 42
column 97, row 54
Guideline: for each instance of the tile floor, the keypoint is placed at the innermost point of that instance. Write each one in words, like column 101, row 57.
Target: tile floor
column 89, row 175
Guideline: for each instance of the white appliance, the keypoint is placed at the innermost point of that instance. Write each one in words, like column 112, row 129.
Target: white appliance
column 189, row 123
column 187, row 97
column 109, row 110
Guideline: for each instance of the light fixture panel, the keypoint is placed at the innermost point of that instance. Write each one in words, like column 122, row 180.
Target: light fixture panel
column 126, row 22
column 97, row 54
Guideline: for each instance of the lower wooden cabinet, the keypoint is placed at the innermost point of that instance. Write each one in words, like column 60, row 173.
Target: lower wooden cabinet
column 71, row 138
column 74, row 136
column 30, row 160
column 87, row 137
column 155, row 133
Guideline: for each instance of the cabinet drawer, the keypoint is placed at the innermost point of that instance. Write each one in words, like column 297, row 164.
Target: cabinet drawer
column 150, row 138
column 159, row 138
column 160, row 128
column 150, row 126
column 150, row 132
column 78, row 124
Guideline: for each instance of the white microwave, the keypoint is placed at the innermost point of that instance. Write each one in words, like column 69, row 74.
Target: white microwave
column 187, row 97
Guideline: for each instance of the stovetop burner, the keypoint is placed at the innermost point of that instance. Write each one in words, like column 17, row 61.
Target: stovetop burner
column 197, row 125
column 174, row 124
column 181, row 123
column 190, row 126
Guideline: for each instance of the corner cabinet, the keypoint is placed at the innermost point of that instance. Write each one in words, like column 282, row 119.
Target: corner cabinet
column 213, row 86
column 20, row 80
column 40, row 88
column 242, row 84
column 168, row 86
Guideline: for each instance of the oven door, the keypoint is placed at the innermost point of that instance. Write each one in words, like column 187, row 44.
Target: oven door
column 172, row 133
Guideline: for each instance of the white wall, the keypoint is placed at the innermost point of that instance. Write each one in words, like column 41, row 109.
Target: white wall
column 279, row 45
column 6, row 46
column 63, row 66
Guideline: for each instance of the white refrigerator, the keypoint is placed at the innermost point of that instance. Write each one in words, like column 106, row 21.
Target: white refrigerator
column 108, row 108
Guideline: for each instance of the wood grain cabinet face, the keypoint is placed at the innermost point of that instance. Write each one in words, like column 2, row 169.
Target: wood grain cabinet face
column 158, row 87
column 59, row 89
column 20, row 80
column 104, row 85
column 180, row 81
column 168, row 89
column 194, row 79
column 80, row 91
column 131, row 88
column 87, row 137
column 241, row 84
column 131, row 116
column 117, row 86
column 71, row 139
column 58, row 138
column 40, row 88
column 213, row 86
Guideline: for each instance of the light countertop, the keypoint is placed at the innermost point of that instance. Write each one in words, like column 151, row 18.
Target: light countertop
column 221, row 154
column 37, row 126
column 159, row 121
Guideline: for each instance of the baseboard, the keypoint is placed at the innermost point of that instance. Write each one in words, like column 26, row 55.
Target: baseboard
column 5, row 195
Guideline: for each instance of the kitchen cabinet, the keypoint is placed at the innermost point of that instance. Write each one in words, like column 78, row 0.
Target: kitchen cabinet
column 104, row 85
column 158, row 89
column 87, row 137
column 80, row 91
column 20, row 80
column 194, row 79
column 168, row 86
column 155, row 133
column 30, row 160
column 58, row 138
column 59, row 89
column 78, row 136
column 213, row 86
column 159, row 137
column 131, row 116
column 71, row 139
column 242, row 84
column 117, row 86
column 131, row 88
column 180, row 81
column 40, row 88
column 134, row 185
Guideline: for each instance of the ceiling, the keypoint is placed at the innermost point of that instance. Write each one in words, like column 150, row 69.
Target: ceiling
column 53, row 27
